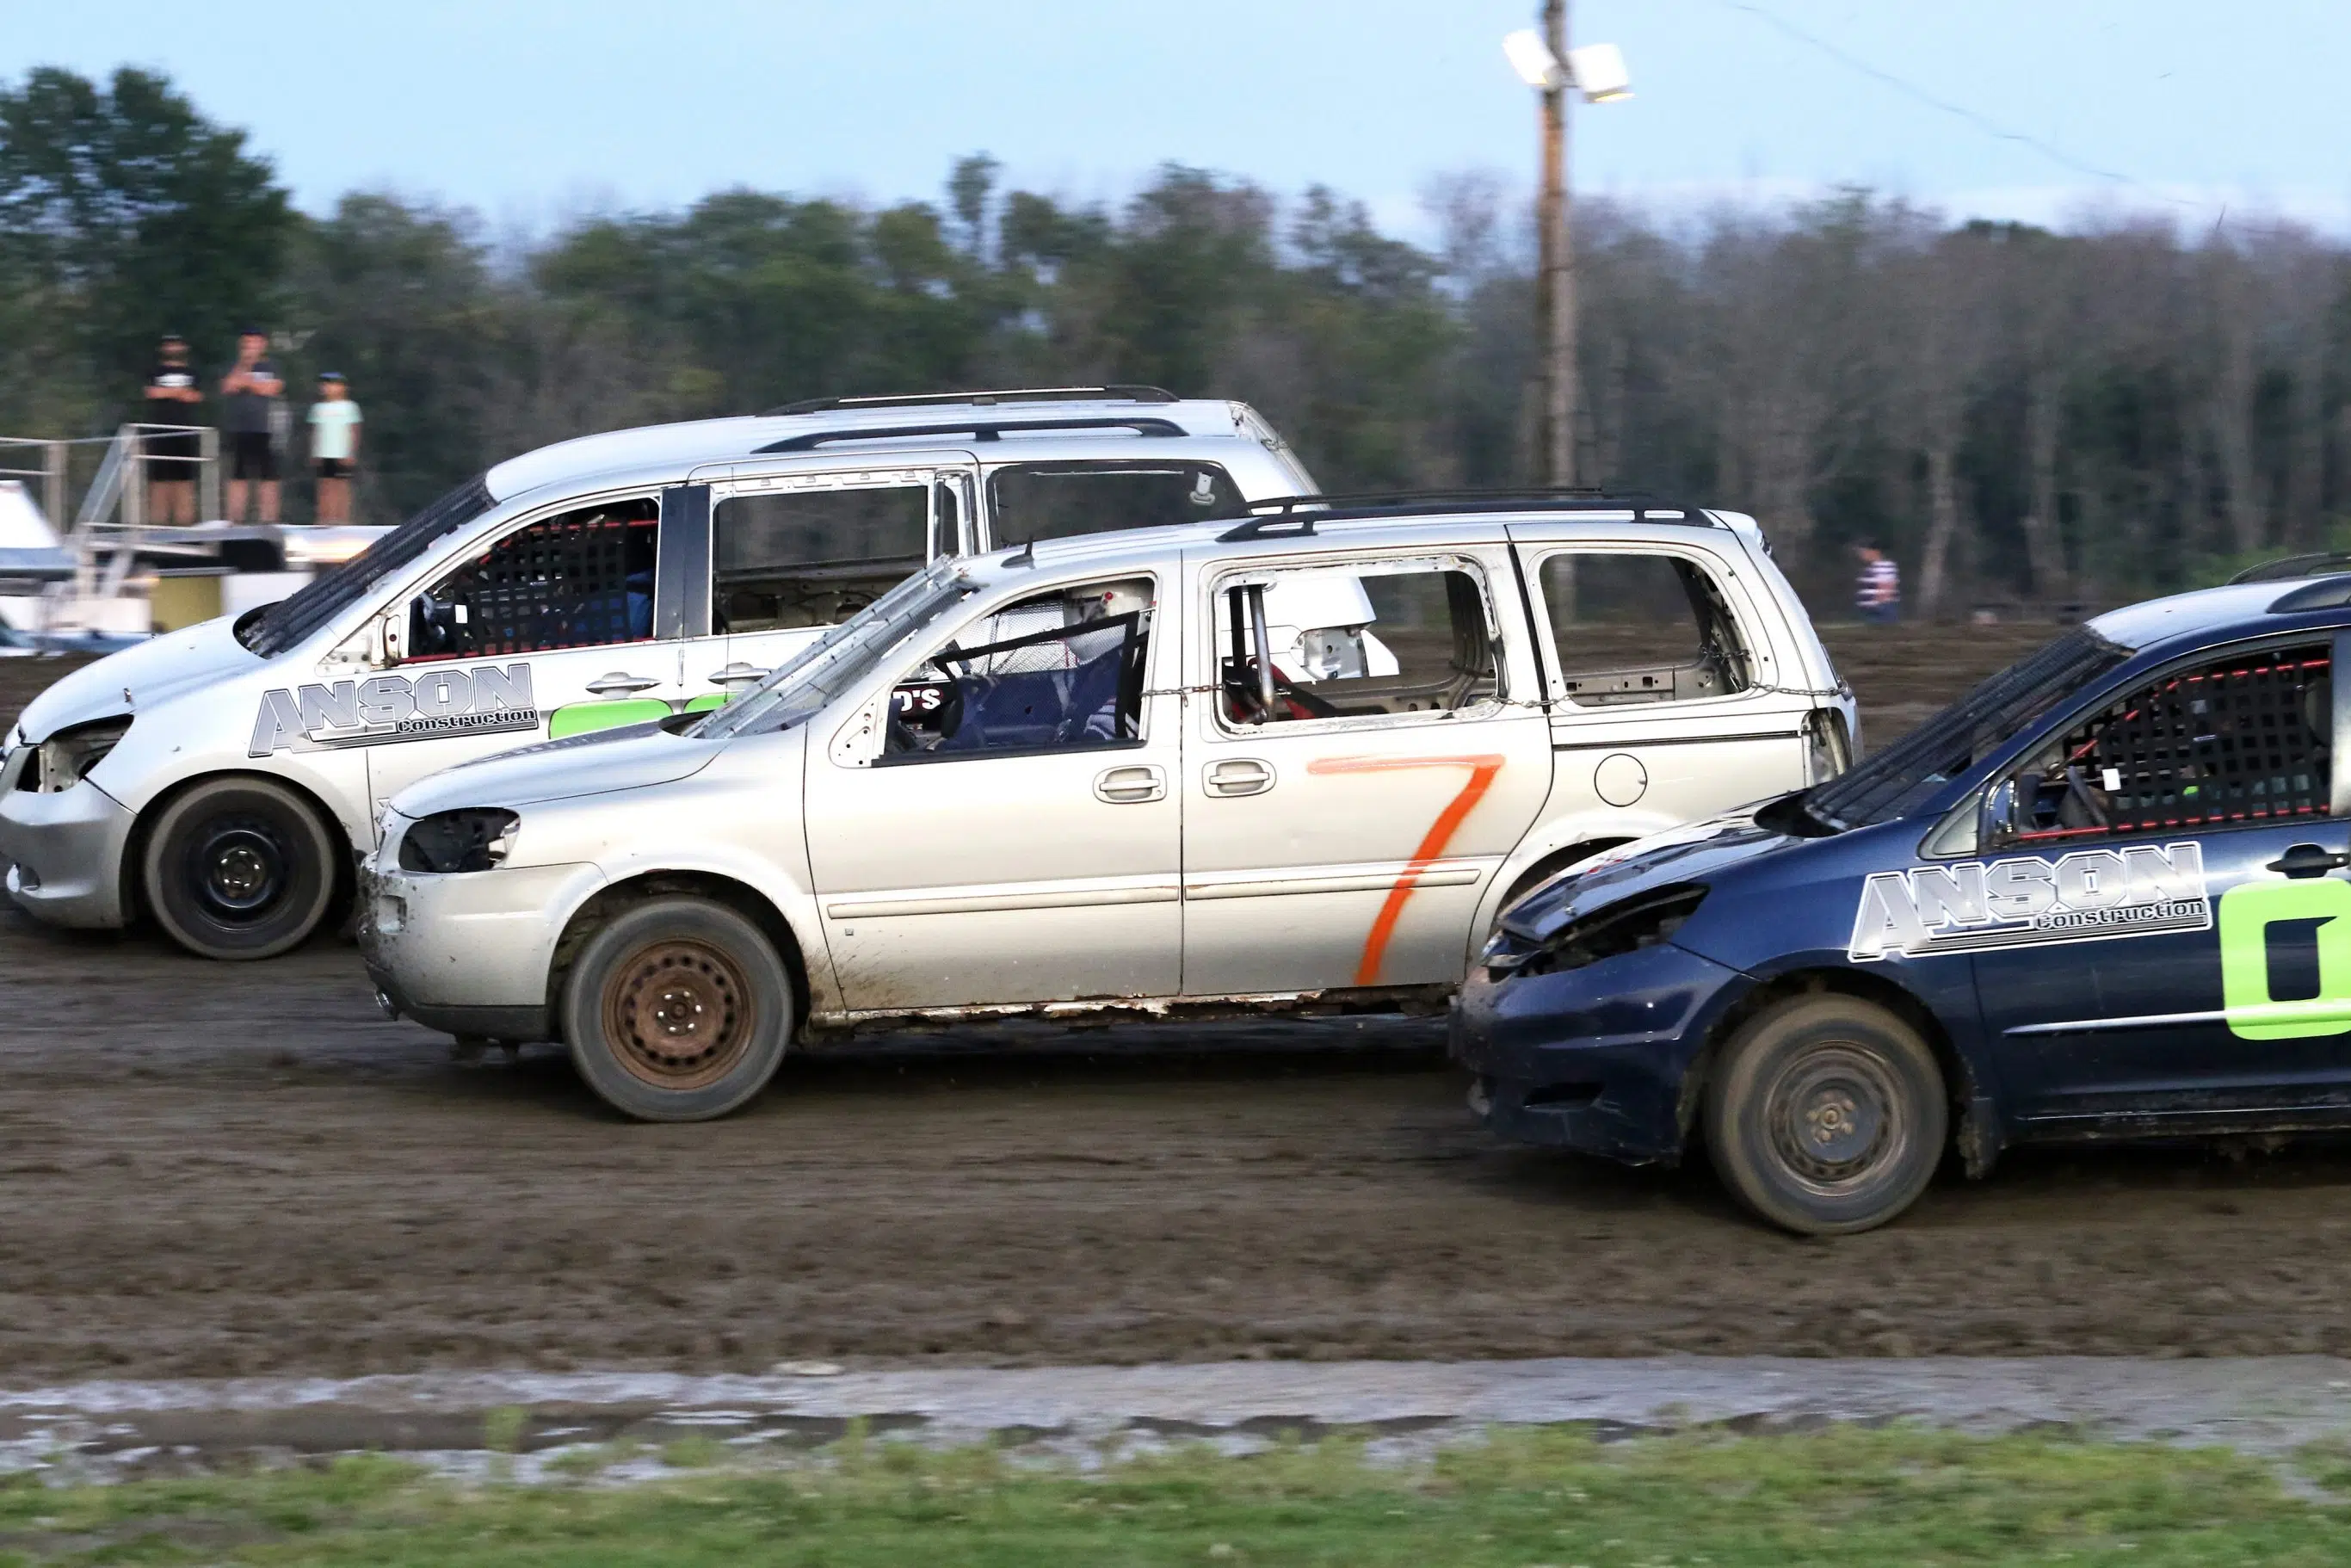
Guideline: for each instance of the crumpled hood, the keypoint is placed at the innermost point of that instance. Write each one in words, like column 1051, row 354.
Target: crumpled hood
column 1695, row 851
column 632, row 757
column 154, row 673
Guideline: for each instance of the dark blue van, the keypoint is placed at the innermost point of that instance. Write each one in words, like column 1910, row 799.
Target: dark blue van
column 2103, row 896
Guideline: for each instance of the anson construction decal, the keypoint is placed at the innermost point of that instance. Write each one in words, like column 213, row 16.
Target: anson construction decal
column 384, row 709
column 2028, row 902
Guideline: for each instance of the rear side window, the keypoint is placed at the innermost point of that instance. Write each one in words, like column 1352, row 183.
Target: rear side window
column 1029, row 501
column 812, row 558
column 2238, row 740
column 581, row 580
column 1387, row 638
column 1640, row 629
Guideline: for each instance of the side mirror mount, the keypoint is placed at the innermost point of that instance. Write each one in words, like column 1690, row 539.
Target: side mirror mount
column 1974, row 825
column 1997, row 823
column 859, row 742
column 392, row 637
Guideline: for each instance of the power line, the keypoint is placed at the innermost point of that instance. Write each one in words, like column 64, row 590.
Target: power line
column 1911, row 89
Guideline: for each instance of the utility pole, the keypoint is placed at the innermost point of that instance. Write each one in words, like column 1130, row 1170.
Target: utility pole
column 1555, row 270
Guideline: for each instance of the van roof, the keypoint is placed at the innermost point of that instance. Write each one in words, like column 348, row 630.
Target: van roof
column 1401, row 524
column 950, row 419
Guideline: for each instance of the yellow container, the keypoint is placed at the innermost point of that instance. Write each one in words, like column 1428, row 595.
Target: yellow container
column 180, row 600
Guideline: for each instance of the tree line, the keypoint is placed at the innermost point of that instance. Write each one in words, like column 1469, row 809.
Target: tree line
column 2018, row 415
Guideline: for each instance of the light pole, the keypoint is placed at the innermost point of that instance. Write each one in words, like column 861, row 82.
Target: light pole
column 1545, row 62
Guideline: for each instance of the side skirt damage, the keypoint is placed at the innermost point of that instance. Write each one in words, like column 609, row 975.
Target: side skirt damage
column 1414, row 1001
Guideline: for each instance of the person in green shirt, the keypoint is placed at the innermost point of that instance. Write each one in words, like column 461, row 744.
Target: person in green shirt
column 334, row 446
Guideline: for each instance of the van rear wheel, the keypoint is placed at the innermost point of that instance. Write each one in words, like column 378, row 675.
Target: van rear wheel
column 239, row 869
column 677, row 1011
column 1827, row 1114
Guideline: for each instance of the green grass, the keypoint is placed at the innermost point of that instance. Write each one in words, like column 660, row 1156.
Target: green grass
column 1845, row 1495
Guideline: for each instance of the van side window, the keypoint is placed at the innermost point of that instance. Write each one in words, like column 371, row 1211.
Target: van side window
column 2238, row 740
column 1370, row 639
column 1058, row 672
column 1032, row 501
column 580, row 580
column 812, row 558
column 1641, row 629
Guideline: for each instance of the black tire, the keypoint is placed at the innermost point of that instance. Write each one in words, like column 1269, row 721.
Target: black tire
column 1827, row 1114
column 240, row 869
column 677, row 1011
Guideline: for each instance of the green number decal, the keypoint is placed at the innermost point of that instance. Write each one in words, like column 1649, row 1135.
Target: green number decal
column 2247, row 913
column 578, row 718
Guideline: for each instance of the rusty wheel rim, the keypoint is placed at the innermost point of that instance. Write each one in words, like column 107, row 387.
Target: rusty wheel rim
column 679, row 1013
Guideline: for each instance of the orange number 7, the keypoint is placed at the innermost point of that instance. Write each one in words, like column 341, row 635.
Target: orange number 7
column 1440, row 834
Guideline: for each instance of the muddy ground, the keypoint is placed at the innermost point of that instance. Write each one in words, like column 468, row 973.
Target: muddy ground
column 211, row 1170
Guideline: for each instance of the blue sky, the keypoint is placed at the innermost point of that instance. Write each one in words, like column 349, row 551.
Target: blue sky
column 532, row 111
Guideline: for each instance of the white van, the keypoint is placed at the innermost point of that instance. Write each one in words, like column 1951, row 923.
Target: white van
column 223, row 778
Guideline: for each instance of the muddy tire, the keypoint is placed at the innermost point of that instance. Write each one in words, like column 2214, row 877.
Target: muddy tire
column 240, row 869
column 677, row 1011
column 1826, row 1115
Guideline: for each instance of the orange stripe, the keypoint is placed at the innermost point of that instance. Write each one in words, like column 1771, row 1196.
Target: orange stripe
column 1440, row 834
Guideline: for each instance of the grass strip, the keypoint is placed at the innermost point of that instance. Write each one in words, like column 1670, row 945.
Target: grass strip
column 1844, row 1495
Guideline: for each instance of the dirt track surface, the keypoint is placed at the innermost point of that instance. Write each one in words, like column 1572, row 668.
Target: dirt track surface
column 212, row 1170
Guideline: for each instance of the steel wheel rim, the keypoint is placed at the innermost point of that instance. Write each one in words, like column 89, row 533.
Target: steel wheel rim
column 240, row 870
column 1834, row 1119
column 679, row 1013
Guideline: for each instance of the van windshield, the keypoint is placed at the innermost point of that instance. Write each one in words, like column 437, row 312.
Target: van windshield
column 1906, row 774
column 840, row 658
column 275, row 628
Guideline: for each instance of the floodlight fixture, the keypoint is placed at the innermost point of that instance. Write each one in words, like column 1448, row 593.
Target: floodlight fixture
column 1533, row 59
column 1597, row 71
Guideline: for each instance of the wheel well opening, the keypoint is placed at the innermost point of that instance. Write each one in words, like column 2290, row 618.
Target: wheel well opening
column 133, row 872
column 1550, row 865
column 1959, row 1085
column 740, row 897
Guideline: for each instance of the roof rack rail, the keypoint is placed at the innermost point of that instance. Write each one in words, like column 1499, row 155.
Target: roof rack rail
column 1115, row 393
column 1644, row 506
column 977, row 429
column 1282, row 525
column 2319, row 563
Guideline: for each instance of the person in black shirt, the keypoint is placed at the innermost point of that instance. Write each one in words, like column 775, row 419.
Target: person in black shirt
column 173, row 398
column 247, row 393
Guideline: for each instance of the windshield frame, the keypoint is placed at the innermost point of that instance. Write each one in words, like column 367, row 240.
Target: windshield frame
column 843, row 657
column 284, row 625
column 2009, row 707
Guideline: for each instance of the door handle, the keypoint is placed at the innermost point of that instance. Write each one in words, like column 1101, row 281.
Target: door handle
column 1130, row 786
column 739, row 673
column 621, row 680
column 2307, row 859
column 1238, row 776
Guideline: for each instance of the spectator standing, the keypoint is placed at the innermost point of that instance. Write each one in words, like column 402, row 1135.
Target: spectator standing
column 173, row 398
column 334, row 446
column 247, row 393
column 1877, row 592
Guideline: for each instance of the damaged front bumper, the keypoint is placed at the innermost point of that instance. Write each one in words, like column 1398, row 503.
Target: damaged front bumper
column 1592, row 1059
column 64, row 850
column 469, row 953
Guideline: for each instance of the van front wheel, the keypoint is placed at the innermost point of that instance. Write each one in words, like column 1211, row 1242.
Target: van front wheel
column 1827, row 1114
column 239, row 868
column 677, row 1011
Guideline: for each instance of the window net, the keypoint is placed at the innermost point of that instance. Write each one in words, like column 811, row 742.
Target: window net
column 575, row 581
column 2243, row 740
